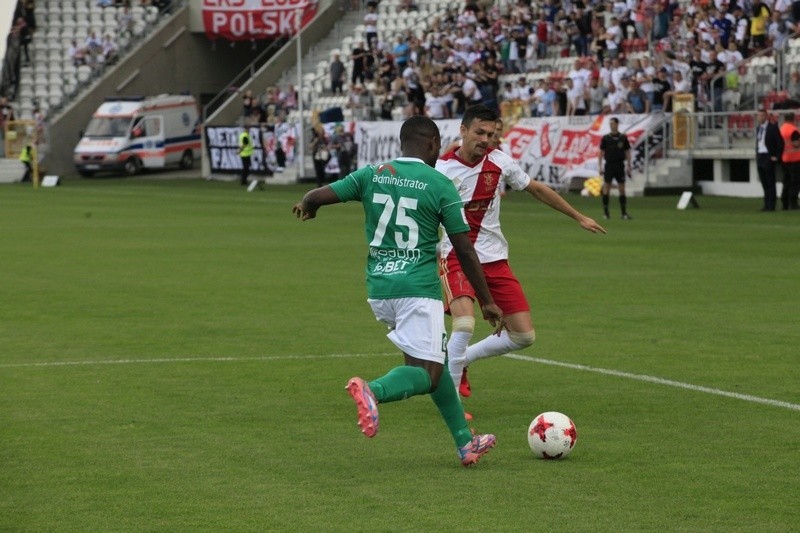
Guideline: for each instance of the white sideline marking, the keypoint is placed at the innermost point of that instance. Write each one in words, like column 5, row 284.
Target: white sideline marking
column 572, row 366
column 186, row 360
column 660, row 381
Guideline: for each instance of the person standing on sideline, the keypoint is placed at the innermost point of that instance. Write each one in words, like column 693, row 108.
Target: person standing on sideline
column 27, row 159
column 614, row 164
column 477, row 170
column 319, row 150
column 245, row 153
column 791, row 163
column 405, row 201
column 769, row 149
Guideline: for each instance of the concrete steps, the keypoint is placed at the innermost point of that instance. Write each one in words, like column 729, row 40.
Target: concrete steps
column 322, row 52
column 669, row 173
column 11, row 171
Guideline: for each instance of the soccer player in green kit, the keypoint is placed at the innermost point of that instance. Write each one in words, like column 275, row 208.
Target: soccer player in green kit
column 405, row 201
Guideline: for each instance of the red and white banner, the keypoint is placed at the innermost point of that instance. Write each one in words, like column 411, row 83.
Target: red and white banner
column 243, row 20
column 548, row 149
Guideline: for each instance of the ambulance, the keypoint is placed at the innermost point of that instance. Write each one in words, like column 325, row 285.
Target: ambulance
column 131, row 133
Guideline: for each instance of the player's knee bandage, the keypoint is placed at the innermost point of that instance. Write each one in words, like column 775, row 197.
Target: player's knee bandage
column 464, row 323
column 521, row 340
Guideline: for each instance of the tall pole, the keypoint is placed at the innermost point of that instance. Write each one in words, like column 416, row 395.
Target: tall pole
column 301, row 123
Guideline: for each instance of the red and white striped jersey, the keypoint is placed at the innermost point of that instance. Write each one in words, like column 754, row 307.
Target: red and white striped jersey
column 478, row 186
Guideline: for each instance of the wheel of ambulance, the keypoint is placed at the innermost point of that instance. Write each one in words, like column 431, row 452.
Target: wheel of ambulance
column 132, row 166
column 187, row 160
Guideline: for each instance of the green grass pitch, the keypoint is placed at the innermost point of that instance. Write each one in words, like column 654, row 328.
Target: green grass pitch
column 173, row 356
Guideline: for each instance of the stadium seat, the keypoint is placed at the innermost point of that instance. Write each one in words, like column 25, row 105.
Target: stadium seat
column 55, row 99
column 627, row 46
column 84, row 73
column 151, row 14
column 25, row 85
column 40, row 93
column 39, row 45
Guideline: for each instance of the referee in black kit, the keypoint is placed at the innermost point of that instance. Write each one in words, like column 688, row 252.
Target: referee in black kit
column 614, row 163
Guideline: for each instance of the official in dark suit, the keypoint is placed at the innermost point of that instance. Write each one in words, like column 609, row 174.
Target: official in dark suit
column 769, row 149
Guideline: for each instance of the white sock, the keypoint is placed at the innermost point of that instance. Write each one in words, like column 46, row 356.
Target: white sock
column 456, row 347
column 488, row 347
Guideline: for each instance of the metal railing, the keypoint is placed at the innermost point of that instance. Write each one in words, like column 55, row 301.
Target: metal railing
column 658, row 150
column 744, row 88
column 246, row 74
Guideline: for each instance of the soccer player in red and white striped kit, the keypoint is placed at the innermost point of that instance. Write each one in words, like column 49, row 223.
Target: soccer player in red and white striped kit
column 477, row 169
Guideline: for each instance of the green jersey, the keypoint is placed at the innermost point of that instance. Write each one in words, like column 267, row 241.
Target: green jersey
column 404, row 202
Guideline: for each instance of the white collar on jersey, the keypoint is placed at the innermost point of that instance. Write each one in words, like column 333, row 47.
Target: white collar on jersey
column 403, row 158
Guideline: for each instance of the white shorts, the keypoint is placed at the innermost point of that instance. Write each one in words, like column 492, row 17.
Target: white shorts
column 417, row 326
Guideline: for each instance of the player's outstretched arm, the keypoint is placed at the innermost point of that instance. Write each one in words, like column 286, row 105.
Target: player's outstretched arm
column 548, row 196
column 313, row 200
column 471, row 266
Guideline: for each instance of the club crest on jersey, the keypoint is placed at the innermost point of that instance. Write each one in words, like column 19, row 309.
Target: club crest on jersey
column 386, row 167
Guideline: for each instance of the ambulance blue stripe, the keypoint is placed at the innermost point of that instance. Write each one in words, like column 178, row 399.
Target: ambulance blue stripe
column 162, row 144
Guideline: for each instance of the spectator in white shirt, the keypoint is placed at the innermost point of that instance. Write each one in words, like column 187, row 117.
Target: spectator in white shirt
column 680, row 85
column 371, row 26
column 93, row 43
column 777, row 31
column 576, row 101
column 523, row 93
column 531, row 57
column 435, row 105
column 110, row 49
column 618, row 71
column 537, row 99
column 731, row 57
column 613, row 38
column 508, row 94
column 579, row 75
column 125, row 21
column 471, row 92
column 605, row 72
column 616, row 100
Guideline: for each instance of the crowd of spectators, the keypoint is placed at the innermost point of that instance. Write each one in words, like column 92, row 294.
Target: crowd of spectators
column 268, row 107
column 630, row 56
column 94, row 50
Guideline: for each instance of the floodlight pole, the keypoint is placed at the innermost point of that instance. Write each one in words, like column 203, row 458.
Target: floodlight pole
column 298, row 23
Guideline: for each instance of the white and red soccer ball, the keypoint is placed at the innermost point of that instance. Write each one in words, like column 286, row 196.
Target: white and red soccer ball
column 552, row 435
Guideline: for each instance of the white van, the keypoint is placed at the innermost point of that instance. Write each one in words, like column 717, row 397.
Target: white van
column 129, row 134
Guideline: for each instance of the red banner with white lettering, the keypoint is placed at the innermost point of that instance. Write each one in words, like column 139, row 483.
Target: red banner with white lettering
column 244, row 20
column 551, row 150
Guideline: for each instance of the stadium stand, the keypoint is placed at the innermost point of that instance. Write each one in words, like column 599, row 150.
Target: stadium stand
column 70, row 29
column 449, row 42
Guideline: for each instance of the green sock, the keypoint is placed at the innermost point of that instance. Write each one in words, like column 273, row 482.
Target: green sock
column 449, row 404
column 400, row 383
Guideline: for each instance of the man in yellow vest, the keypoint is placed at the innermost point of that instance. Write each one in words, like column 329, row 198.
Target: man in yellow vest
column 245, row 151
column 27, row 159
